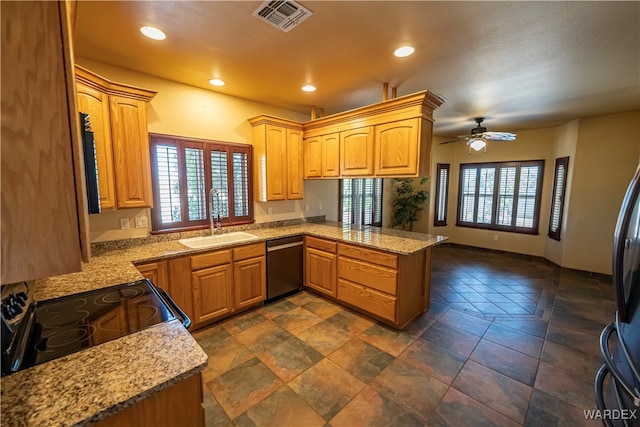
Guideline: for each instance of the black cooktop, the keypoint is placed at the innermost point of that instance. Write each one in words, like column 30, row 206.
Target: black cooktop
column 72, row 323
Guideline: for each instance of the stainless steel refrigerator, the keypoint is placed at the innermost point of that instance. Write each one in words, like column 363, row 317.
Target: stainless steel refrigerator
column 617, row 383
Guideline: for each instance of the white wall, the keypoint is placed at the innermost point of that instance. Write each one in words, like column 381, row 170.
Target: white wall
column 606, row 158
column 184, row 110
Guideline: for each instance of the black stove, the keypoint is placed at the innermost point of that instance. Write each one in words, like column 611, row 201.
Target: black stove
column 54, row 328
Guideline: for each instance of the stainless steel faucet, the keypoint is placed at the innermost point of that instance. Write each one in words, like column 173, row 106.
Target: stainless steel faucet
column 218, row 224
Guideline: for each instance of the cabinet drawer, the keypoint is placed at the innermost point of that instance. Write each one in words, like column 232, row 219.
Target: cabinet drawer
column 367, row 299
column 323, row 245
column 249, row 251
column 210, row 259
column 370, row 275
column 369, row 255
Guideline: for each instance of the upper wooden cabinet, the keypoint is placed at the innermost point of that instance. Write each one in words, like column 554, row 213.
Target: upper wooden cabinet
column 322, row 156
column 356, row 152
column 44, row 211
column 118, row 116
column 388, row 139
column 277, row 158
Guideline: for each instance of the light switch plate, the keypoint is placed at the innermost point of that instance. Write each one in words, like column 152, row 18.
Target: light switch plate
column 124, row 223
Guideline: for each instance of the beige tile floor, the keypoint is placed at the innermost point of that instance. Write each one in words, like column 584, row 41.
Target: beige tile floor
column 507, row 341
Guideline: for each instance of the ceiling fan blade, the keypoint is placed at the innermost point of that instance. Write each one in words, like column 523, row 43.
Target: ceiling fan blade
column 452, row 140
column 499, row 136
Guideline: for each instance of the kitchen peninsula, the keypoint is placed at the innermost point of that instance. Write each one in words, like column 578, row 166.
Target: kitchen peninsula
column 66, row 391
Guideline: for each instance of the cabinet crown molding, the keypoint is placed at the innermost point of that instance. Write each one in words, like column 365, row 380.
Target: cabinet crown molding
column 419, row 104
column 97, row 82
column 276, row 121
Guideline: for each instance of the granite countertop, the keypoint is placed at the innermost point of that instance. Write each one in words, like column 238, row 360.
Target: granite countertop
column 91, row 384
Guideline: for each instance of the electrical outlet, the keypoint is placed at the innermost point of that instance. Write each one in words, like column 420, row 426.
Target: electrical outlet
column 306, row 208
column 269, row 211
column 142, row 222
column 320, row 206
column 124, row 223
column 495, row 237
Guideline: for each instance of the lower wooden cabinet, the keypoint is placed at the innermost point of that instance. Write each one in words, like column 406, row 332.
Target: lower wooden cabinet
column 212, row 293
column 178, row 405
column 213, row 285
column 393, row 288
column 320, row 265
column 156, row 272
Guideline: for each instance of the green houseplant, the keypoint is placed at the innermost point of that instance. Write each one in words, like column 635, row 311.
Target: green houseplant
column 408, row 202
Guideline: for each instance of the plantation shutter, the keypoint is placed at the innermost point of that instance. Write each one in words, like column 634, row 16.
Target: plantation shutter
column 442, row 194
column 220, row 183
column 196, row 194
column 168, row 185
column 361, row 201
column 557, row 201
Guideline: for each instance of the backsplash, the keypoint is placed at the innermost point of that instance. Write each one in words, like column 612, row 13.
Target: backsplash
column 99, row 248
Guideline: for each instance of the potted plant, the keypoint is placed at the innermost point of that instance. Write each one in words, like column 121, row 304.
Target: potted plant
column 408, row 202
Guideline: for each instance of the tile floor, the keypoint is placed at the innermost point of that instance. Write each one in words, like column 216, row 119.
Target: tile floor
column 507, row 341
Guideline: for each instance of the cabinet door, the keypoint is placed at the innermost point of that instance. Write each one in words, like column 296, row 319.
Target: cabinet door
column 40, row 213
column 331, row 155
column 212, row 293
column 313, row 157
column 397, row 148
column 249, row 278
column 295, row 183
column 276, row 150
column 179, row 284
column 131, row 152
column 96, row 104
column 356, row 152
column 320, row 271
column 156, row 272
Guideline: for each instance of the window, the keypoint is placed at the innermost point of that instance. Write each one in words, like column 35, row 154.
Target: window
column 183, row 173
column 557, row 201
column 501, row 196
column 442, row 194
column 361, row 201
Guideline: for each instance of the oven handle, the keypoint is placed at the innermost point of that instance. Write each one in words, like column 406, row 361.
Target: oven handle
column 165, row 296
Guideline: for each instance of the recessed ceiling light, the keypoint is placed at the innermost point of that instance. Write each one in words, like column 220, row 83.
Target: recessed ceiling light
column 217, row 82
column 403, row 51
column 153, row 33
column 309, row 88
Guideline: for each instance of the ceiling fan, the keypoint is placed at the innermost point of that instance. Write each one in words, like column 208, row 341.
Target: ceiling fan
column 479, row 137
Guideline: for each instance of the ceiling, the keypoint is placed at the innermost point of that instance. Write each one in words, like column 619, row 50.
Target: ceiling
column 522, row 65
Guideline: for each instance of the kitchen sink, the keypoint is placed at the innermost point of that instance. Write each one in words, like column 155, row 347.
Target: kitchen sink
column 216, row 240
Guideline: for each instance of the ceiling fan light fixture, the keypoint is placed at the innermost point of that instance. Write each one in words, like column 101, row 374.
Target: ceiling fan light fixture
column 477, row 144
column 153, row 33
column 404, row 51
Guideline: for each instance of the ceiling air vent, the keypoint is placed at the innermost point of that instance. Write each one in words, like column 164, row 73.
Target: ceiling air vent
column 282, row 14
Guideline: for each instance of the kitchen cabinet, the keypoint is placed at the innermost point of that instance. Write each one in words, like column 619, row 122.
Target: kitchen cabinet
column 225, row 282
column 356, row 152
column 212, row 285
column 118, row 116
column 322, row 156
column 398, row 148
column 177, row 405
column 277, row 158
column 387, row 139
column 388, row 286
column 156, row 272
column 320, row 265
column 249, row 275
column 43, row 192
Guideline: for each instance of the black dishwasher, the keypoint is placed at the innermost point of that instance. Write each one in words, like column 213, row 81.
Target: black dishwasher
column 284, row 267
